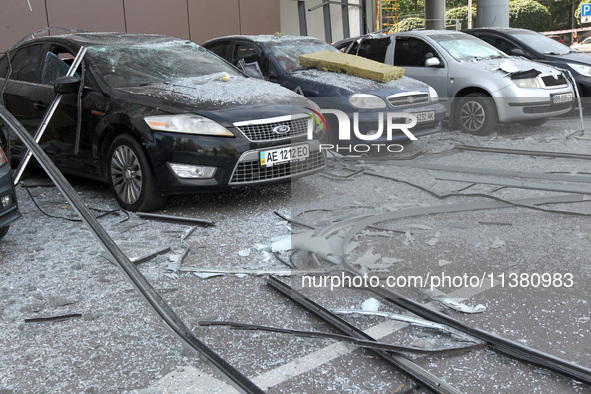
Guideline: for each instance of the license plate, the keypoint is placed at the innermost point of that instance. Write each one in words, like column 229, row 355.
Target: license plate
column 291, row 153
column 425, row 116
column 562, row 98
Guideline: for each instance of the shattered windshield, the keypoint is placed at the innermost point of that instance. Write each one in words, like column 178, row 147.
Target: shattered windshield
column 288, row 53
column 541, row 43
column 464, row 47
column 139, row 65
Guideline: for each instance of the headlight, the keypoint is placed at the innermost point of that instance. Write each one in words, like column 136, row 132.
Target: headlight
column 433, row 94
column 366, row 101
column 529, row 83
column 187, row 124
column 2, row 158
column 583, row 70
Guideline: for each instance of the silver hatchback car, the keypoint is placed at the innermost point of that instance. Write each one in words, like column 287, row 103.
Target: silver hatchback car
column 479, row 85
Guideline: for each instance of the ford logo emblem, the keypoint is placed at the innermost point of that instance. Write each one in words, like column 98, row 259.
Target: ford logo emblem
column 281, row 129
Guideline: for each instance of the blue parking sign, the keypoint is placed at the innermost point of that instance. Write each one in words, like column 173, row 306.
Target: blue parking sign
column 585, row 13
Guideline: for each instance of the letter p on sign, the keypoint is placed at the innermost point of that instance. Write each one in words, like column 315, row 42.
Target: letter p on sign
column 585, row 13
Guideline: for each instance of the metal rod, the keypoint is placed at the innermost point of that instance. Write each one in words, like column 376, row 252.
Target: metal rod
column 524, row 152
column 424, row 377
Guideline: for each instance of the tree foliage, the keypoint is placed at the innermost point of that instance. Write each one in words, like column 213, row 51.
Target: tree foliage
column 411, row 24
column 529, row 14
column 461, row 13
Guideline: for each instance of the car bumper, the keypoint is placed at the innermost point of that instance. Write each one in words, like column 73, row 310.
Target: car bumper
column 237, row 163
column 538, row 103
column 9, row 212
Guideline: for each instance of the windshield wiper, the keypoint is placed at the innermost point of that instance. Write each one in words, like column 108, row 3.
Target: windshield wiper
column 555, row 53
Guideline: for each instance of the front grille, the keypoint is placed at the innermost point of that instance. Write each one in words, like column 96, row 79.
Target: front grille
column 551, row 81
column 408, row 99
column 262, row 131
column 251, row 171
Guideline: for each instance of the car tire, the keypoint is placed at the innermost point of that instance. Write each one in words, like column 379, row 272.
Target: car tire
column 534, row 122
column 130, row 176
column 3, row 231
column 476, row 113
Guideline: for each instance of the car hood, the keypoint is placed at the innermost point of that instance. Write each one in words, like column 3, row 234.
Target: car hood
column 215, row 92
column 574, row 57
column 351, row 84
column 226, row 102
column 510, row 65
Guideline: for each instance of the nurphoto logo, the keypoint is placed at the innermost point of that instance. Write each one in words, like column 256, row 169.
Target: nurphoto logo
column 393, row 123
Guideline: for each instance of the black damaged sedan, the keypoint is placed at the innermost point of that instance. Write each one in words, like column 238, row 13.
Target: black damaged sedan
column 8, row 205
column 155, row 115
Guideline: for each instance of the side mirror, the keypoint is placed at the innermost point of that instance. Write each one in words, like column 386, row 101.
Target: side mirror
column 517, row 52
column 432, row 62
column 67, row 85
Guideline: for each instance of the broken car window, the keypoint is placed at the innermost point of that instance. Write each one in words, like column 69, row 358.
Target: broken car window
column 288, row 53
column 462, row 47
column 53, row 68
column 25, row 64
column 252, row 61
column 138, row 65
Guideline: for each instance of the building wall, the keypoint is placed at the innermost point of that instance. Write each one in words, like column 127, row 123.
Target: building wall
column 315, row 19
column 197, row 20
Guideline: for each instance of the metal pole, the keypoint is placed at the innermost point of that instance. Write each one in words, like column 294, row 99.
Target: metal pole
column 302, row 17
column 345, row 13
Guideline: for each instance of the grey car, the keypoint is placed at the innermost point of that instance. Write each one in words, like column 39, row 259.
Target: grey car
column 8, row 205
column 479, row 85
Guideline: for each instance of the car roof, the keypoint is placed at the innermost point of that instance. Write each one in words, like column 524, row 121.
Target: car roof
column 265, row 38
column 500, row 29
column 105, row 38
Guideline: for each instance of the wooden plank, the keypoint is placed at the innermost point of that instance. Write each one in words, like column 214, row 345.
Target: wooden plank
column 351, row 64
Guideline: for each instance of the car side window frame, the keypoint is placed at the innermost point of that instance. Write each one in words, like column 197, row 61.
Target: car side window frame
column 262, row 64
column 501, row 39
column 419, row 61
column 32, row 64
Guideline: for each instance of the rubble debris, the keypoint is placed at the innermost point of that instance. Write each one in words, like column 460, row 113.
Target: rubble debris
column 453, row 304
column 288, row 220
column 516, row 184
column 139, row 260
column 54, row 318
column 524, row 152
column 344, row 338
column 371, row 305
column 169, row 218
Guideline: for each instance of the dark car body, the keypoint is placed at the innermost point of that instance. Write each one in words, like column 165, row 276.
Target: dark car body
column 543, row 49
column 159, row 116
column 8, row 205
column 276, row 59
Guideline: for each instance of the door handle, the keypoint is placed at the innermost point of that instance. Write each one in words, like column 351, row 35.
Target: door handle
column 40, row 106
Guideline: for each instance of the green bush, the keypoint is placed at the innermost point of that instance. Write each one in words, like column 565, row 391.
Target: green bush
column 411, row 24
column 529, row 14
column 461, row 13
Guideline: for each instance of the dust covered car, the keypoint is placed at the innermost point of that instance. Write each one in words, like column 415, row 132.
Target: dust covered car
column 479, row 85
column 8, row 205
column 155, row 115
column 276, row 58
